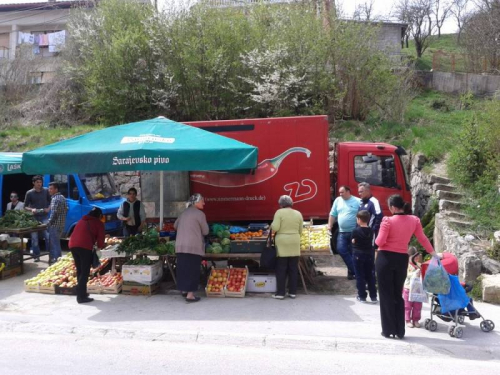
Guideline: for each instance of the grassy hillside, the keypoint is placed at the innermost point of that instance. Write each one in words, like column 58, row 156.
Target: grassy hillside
column 447, row 43
column 431, row 125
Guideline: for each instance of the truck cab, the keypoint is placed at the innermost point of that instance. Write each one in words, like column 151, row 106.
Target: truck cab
column 378, row 164
column 84, row 191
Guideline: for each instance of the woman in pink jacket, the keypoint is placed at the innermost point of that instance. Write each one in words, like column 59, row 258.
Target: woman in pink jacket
column 392, row 263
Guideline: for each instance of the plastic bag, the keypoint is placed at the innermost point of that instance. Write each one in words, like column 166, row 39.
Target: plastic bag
column 456, row 299
column 436, row 279
column 417, row 293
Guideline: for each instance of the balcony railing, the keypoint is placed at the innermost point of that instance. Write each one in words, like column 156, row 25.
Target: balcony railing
column 236, row 3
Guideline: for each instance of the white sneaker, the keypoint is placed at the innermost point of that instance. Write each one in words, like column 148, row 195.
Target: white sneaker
column 292, row 296
column 275, row 296
column 409, row 324
column 416, row 324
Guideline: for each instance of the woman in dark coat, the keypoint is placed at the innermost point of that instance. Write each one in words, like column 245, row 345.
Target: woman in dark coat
column 191, row 228
column 88, row 231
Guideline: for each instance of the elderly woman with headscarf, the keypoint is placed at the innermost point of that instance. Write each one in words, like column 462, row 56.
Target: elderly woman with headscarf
column 287, row 225
column 191, row 228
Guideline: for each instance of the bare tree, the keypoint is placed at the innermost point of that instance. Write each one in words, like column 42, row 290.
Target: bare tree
column 365, row 11
column 418, row 14
column 460, row 14
column 402, row 11
column 481, row 38
column 441, row 13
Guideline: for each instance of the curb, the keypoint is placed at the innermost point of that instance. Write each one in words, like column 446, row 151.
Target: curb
column 458, row 350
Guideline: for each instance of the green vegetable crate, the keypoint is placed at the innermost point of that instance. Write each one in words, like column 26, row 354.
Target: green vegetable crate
column 250, row 246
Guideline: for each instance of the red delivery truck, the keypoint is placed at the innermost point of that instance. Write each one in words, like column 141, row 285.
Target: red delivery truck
column 294, row 159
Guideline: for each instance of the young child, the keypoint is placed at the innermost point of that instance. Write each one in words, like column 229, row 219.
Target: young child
column 412, row 309
column 363, row 256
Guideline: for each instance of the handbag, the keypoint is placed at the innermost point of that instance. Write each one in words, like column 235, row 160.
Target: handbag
column 96, row 263
column 268, row 255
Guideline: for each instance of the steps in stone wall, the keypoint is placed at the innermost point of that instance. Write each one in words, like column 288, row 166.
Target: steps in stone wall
column 448, row 205
column 449, row 195
column 444, row 187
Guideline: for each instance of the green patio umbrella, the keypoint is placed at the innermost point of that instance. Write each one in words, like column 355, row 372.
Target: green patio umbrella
column 158, row 144
column 153, row 145
column 10, row 162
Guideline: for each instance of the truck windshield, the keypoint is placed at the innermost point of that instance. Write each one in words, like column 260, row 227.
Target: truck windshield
column 98, row 185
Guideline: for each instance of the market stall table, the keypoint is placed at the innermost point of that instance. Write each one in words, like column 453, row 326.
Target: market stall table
column 21, row 233
column 254, row 256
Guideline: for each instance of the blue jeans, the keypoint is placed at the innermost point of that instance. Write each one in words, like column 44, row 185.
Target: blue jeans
column 35, row 245
column 345, row 250
column 364, row 264
column 54, row 243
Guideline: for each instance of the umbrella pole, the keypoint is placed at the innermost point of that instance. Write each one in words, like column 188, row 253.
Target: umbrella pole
column 161, row 200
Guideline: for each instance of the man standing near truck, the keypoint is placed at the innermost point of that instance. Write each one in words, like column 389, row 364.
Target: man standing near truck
column 371, row 204
column 344, row 211
column 37, row 201
column 57, row 221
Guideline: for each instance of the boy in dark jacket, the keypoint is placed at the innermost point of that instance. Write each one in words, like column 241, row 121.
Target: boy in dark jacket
column 364, row 257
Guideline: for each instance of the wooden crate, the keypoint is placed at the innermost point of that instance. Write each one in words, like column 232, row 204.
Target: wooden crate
column 8, row 273
column 47, row 289
column 32, row 288
column 220, row 294
column 65, row 290
column 241, row 293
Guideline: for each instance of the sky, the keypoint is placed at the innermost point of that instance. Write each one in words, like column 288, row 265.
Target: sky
column 382, row 8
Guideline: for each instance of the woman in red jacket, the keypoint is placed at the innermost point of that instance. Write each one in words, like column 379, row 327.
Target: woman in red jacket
column 88, row 231
column 392, row 263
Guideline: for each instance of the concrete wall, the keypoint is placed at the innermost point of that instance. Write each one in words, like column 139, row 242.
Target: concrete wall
column 459, row 83
column 390, row 38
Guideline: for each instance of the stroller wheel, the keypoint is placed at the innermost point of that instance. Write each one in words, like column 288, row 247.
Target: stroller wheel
column 433, row 326
column 461, row 319
column 426, row 323
column 487, row 326
column 451, row 330
column 458, row 332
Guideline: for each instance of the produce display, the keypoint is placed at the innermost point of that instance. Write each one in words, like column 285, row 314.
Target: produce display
column 168, row 227
column 217, row 280
column 18, row 219
column 315, row 238
column 149, row 241
column 106, row 281
column 142, row 261
column 245, row 236
column 112, row 240
column 219, row 240
column 305, row 243
column 62, row 273
column 237, row 280
column 141, row 241
column 320, row 239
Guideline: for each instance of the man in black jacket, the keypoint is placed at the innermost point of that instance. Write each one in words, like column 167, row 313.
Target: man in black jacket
column 132, row 213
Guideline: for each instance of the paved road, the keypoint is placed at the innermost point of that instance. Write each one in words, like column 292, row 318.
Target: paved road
column 33, row 354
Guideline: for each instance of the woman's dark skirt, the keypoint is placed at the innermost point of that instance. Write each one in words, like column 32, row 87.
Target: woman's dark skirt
column 188, row 272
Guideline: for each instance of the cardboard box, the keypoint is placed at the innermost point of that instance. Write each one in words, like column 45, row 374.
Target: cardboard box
column 7, row 273
column 135, row 289
column 143, row 274
column 262, row 283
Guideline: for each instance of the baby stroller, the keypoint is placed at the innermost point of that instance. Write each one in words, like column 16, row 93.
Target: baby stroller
column 456, row 317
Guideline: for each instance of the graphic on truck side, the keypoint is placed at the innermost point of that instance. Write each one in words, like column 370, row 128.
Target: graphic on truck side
column 296, row 190
column 265, row 170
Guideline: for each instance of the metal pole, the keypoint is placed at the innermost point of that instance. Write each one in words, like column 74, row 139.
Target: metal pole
column 161, row 200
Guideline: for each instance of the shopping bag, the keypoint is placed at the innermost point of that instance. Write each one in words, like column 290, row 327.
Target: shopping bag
column 457, row 297
column 436, row 279
column 268, row 255
column 417, row 293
